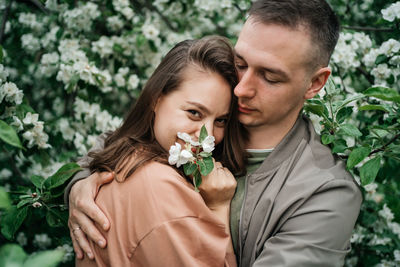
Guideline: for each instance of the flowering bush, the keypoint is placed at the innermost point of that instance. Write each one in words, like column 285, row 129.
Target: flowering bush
column 70, row 69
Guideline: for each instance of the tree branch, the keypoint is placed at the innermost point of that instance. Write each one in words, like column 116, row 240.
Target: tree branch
column 385, row 145
column 366, row 75
column 361, row 28
column 4, row 20
column 150, row 7
column 39, row 5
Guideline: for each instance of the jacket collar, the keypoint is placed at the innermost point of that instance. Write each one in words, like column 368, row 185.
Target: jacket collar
column 287, row 146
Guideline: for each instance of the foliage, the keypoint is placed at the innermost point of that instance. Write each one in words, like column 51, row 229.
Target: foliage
column 78, row 65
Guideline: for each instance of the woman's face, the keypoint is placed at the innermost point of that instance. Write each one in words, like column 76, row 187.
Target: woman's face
column 203, row 98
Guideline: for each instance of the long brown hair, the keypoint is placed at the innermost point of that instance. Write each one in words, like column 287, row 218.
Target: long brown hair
column 136, row 135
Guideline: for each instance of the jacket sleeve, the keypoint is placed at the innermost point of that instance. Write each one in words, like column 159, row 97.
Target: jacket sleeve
column 84, row 163
column 188, row 241
column 318, row 232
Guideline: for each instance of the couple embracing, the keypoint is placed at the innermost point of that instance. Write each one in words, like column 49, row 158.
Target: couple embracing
column 276, row 196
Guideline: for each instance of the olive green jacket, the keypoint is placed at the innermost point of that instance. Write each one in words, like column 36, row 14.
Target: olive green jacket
column 300, row 205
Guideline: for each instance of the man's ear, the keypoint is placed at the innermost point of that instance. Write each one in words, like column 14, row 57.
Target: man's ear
column 317, row 83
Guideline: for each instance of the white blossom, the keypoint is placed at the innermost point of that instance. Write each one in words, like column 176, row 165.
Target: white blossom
column 81, row 18
column 133, row 82
column 30, row 43
column 65, row 129
column 17, row 123
column 390, row 47
column 179, row 156
column 5, row 174
column 21, row 239
column 30, row 118
column 386, row 213
column 150, row 31
column 10, row 92
column 115, row 23
column 184, row 136
column 392, row 12
column 42, row 241
column 208, row 144
column 3, row 74
column 381, row 73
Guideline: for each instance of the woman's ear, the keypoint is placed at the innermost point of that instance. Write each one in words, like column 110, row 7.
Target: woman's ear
column 317, row 83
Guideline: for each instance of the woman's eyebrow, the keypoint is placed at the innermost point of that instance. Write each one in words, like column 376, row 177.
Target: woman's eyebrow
column 200, row 106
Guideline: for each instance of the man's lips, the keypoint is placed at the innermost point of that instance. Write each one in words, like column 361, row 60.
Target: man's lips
column 244, row 109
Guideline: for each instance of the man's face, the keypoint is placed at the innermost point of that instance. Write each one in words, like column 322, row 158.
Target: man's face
column 273, row 73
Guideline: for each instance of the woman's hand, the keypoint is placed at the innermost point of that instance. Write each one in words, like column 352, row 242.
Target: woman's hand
column 84, row 213
column 218, row 187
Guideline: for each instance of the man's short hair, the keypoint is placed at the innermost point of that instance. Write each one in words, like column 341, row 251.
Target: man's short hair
column 315, row 15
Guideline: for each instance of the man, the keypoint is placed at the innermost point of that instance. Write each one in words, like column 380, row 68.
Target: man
column 297, row 204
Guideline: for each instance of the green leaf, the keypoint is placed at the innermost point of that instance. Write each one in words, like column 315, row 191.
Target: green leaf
column 37, row 181
column 350, row 129
column 349, row 100
column 369, row 170
column 357, row 155
column 5, row 202
column 383, row 93
column 24, row 202
column 49, row 258
column 12, row 220
column 203, row 134
column 189, row 168
column 380, row 59
column 197, row 180
column 327, row 139
column 316, row 109
column 56, row 218
column 373, row 107
column 8, row 135
column 62, row 175
column 339, row 146
column 206, row 165
column 343, row 114
column 12, row 255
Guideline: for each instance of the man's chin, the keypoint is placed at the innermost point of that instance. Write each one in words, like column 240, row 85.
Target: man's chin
column 247, row 121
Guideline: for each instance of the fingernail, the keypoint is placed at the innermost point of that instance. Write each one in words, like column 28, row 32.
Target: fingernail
column 105, row 226
column 90, row 255
column 101, row 243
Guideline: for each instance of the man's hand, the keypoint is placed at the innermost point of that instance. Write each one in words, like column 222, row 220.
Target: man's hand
column 84, row 213
column 218, row 187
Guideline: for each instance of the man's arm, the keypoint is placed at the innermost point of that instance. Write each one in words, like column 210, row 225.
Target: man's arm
column 83, row 212
column 84, row 163
column 318, row 233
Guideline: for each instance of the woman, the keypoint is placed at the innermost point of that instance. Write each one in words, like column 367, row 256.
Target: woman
column 156, row 216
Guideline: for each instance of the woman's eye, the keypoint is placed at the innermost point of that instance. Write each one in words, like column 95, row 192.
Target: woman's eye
column 220, row 122
column 194, row 113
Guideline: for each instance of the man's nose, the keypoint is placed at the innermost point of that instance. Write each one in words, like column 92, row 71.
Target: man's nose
column 246, row 88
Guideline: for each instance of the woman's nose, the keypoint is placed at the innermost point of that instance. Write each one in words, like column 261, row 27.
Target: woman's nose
column 209, row 127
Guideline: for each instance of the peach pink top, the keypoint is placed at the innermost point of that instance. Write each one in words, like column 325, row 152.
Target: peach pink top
column 157, row 219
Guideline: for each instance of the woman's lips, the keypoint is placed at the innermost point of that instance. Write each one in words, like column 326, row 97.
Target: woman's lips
column 244, row 109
